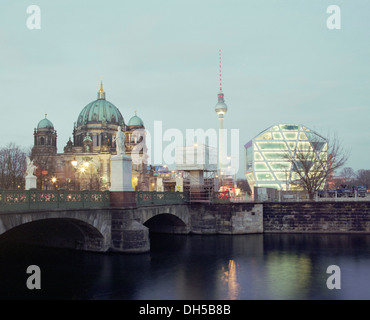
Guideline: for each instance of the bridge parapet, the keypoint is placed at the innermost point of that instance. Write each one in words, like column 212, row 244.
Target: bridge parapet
column 20, row 200
column 23, row 200
column 153, row 197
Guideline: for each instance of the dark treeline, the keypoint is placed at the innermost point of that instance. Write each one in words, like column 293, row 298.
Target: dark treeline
column 12, row 167
column 350, row 177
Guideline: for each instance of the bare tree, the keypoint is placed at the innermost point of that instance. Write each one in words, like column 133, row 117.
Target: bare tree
column 12, row 167
column 363, row 178
column 314, row 161
column 347, row 174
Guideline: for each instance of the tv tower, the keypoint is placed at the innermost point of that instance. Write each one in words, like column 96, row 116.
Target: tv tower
column 221, row 109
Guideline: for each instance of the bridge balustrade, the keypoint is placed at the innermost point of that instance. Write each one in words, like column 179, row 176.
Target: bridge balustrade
column 14, row 200
column 153, row 197
column 21, row 200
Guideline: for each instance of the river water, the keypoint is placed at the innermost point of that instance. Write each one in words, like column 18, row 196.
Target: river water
column 256, row 266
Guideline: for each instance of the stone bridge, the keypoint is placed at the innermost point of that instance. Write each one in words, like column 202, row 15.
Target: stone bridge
column 126, row 229
column 89, row 220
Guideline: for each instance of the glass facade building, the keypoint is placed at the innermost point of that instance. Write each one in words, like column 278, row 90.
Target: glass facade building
column 269, row 154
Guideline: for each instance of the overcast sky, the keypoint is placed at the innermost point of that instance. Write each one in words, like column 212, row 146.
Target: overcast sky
column 280, row 64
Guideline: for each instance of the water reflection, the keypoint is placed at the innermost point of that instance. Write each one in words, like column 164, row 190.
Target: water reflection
column 229, row 278
column 288, row 275
column 270, row 266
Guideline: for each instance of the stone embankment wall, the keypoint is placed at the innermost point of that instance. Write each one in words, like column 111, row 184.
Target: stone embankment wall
column 310, row 217
column 238, row 218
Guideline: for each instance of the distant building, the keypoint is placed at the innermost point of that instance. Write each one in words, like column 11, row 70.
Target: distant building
column 267, row 164
column 85, row 162
column 196, row 167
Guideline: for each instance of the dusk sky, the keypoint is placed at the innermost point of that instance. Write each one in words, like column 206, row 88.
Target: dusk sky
column 280, row 64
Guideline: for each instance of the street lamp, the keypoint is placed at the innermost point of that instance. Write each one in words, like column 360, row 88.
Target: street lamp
column 83, row 166
column 53, row 180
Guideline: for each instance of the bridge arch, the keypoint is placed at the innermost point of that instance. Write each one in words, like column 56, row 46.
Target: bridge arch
column 78, row 229
column 166, row 219
column 166, row 223
column 57, row 233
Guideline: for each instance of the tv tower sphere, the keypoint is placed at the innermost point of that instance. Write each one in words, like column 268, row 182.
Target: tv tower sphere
column 221, row 107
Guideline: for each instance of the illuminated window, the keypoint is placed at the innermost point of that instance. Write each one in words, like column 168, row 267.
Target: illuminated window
column 282, row 176
column 264, row 176
column 260, row 166
column 290, row 135
column 272, row 145
column 295, row 187
column 295, row 176
column 302, row 136
column 257, row 156
column 275, row 155
column 323, row 156
column 277, row 136
column 280, row 165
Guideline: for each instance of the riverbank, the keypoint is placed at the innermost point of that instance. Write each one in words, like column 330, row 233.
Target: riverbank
column 317, row 217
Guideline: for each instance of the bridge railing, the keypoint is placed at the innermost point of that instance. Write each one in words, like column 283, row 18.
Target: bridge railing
column 153, row 197
column 13, row 200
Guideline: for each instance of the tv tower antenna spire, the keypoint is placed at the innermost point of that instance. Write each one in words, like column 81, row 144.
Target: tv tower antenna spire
column 219, row 53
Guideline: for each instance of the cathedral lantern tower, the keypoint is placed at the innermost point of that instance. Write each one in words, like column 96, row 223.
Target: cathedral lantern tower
column 45, row 138
column 135, row 134
column 44, row 151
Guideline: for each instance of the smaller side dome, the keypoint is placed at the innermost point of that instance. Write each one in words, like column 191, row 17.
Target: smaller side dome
column 45, row 124
column 136, row 121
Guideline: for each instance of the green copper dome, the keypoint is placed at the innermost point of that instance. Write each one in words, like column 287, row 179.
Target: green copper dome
column 136, row 121
column 100, row 111
column 45, row 124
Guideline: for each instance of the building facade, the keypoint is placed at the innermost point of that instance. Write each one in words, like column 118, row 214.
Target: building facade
column 269, row 155
column 85, row 161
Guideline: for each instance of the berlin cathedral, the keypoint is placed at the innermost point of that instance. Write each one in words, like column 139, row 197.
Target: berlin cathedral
column 85, row 162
